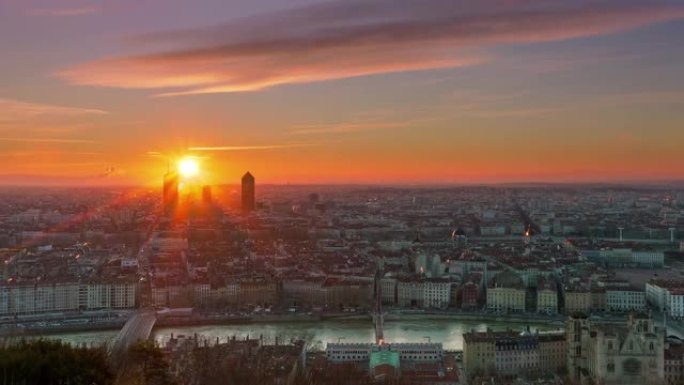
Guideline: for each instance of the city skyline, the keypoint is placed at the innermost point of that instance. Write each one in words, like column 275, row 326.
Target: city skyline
column 312, row 92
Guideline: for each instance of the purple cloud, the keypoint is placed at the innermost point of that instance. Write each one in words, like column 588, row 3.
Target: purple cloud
column 353, row 38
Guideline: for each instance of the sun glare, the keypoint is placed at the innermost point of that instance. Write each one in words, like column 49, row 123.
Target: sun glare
column 188, row 167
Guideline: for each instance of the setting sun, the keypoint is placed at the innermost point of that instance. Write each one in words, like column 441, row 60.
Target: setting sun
column 188, row 167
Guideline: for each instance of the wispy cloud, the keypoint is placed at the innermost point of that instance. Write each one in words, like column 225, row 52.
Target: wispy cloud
column 46, row 140
column 349, row 38
column 513, row 112
column 15, row 110
column 642, row 97
column 250, row 148
column 63, row 12
column 362, row 122
column 471, row 103
column 38, row 154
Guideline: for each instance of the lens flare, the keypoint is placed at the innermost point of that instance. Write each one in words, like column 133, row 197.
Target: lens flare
column 188, row 167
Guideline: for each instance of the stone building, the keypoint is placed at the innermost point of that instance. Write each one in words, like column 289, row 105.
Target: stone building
column 510, row 354
column 506, row 293
column 610, row 353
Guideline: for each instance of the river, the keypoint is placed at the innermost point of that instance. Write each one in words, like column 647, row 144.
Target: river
column 448, row 332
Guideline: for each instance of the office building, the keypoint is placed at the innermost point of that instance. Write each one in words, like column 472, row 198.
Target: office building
column 248, row 202
column 206, row 195
column 170, row 192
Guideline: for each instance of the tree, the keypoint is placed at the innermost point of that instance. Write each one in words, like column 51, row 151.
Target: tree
column 53, row 362
column 144, row 364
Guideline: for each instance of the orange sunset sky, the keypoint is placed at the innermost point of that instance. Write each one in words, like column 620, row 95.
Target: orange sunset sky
column 306, row 91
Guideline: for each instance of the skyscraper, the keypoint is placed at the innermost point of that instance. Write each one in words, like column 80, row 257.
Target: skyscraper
column 206, row 195
column 247, row 193
column 170, row 192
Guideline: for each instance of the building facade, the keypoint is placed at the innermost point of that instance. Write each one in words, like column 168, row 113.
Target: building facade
column 547, row 297
column 424, row 293
column 248, row 193
column 26, row 299
column 609, row 353
column 506, row 293
column 509, row 354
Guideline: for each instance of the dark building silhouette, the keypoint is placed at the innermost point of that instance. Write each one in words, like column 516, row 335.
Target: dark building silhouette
column 170, row 192
column 206, row 195
column 247, row 193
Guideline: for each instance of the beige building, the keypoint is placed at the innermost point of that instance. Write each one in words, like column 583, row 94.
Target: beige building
column 506, row 293
column 547, row 297
column 424, row 293
column 50, row 297
column 510, row 354
column 577, row 299
column 173, row 296
column 348, row 292
column 598, row 299
column 260, row 291
column 304, row 291
column 388, row 290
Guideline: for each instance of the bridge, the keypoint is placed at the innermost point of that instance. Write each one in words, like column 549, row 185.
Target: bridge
column 377, row 309
column 137, row 328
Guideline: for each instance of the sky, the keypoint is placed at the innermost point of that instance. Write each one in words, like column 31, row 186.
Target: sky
column 307, row 91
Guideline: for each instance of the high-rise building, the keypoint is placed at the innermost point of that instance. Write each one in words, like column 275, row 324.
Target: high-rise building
column 247, row 193
column 206, row 195
column 170, row 192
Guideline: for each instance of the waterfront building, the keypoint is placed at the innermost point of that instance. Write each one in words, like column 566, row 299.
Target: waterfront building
column 304, row 291
column 547, row 297
column 423, row 293
column 258, row 291
column 347, row 292
column 388, row 291
column 509, row 353
column 361, row 352
column 577, row 298
column 50, row 297
column 471, row 291
column 506, row 293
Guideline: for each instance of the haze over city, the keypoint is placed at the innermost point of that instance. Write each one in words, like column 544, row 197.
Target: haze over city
column 341, row 192
column 302, row 91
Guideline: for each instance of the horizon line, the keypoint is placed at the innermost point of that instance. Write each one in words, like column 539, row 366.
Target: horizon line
column 415, row 184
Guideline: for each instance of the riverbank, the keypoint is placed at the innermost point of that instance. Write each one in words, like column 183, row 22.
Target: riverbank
column 34, row 331
column 391, row 316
